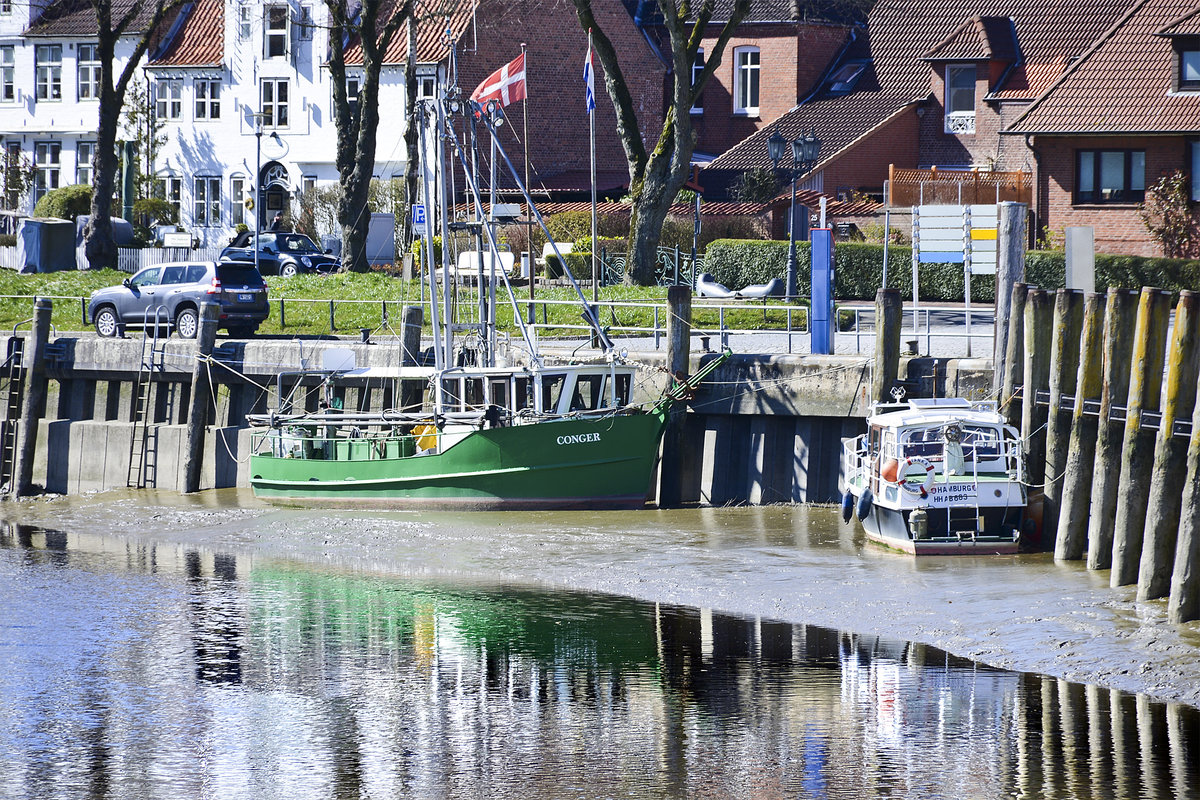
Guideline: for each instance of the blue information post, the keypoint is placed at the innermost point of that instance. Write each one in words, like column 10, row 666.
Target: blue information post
column 821, row 314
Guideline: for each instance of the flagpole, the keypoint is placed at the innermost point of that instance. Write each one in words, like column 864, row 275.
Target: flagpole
column 592, row 142
column 529, row 212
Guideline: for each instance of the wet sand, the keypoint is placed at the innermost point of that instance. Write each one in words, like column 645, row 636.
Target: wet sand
column 791, row 563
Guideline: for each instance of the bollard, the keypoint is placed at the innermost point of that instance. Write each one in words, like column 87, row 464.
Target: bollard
column 34, row 401
column 1064, row 368
column 888, row 312
column 1036, row 377
column 1081, row 451
column 1014, row 360
column 1119, row 315
column 679, row 336
column 197, row 418
column 1137, row 453
column 1170, row 453
column 1010, row 267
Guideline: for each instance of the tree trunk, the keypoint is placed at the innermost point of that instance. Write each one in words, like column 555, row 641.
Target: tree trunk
column 99, row 246
column 411, row 132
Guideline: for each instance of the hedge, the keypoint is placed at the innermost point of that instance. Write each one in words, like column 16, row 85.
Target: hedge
column 858, row 270
column 580, row 265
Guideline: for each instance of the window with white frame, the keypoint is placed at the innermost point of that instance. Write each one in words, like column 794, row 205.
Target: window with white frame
column 237, row 209
column 46, row 157
column 85, row 155
column 275, row 31
column 274, row 102
column 168, row 99
column 426, row 86
column 353, row 88
column 206, row 202
column 746, row 66
column 170, row 189
column 88, row 68
column 13, row 187
column 6, row 7
column 245, row 21
column 8, row 86
column 308, row 183
column 48, row 74
column 960, row 98
column 306, row 25
column 208, row 98
column 697, row 69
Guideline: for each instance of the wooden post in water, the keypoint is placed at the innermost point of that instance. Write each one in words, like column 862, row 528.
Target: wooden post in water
column 1183, row 604
column 1137, row 455
column 888, row 312
column 197, row 418
column 1036, row 377
column 1014, row 358
column 1170, row 452
column 679, row 340
column 410, row 356
column 32, row 404
column 1010, row 268
column 1118, row 350
column 1064, row 368
column 1081, row 451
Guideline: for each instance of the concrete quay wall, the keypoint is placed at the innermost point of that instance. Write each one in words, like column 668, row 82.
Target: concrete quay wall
column 764, row 428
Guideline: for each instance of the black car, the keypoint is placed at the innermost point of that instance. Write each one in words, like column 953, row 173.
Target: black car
column 171, row 295
column 281, row 253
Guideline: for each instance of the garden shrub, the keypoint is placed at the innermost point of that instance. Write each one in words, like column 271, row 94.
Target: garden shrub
column 66, row 202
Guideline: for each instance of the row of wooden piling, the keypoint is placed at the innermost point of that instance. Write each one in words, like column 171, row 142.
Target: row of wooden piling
column 1117, row 487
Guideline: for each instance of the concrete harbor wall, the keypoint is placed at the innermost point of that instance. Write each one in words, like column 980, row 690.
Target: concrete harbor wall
column 763, row 429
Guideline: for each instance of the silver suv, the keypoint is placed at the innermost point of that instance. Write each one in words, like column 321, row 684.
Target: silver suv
column 171, row 295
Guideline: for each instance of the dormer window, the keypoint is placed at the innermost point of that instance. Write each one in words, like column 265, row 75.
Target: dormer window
column 960, row 98
column 1189, row 64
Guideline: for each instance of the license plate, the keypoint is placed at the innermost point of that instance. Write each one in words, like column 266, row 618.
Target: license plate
column 245, row 298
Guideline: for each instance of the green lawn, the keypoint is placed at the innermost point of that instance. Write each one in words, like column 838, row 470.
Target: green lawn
column 358, row 302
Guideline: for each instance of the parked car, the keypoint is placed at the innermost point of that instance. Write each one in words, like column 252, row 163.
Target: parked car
column 284, row 254
column 171, row 294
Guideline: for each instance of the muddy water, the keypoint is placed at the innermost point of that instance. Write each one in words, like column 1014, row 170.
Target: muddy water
column 213, row 647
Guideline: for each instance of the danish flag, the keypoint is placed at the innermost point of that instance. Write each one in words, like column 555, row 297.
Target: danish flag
column 506, row 84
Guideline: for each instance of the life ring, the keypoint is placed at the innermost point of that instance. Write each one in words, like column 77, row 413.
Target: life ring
column 908, row 484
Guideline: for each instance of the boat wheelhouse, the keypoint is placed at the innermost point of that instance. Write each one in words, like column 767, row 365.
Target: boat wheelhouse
column 937, row 477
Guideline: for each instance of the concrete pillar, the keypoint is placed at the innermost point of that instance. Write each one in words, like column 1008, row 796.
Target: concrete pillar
column 198, row 407
column 34, row 400
column 1081, row 451
column 1119, row 313
column 1064, row 368
column 1137, row 455
column 679, row 338
column 1010, row 268
column 888, row 312
column 1170, row 452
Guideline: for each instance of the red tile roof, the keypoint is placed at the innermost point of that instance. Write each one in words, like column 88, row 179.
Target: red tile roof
column 1122, row 85
column 978, row 38
column 67, row 18
column 438, row 23
column 1187, row 25
column 200, row 41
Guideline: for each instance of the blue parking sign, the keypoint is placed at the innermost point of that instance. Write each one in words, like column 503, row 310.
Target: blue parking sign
column 418, row 214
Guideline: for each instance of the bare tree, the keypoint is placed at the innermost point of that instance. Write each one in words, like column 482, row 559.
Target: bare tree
column 373, row 25
column 114, row 19
column 656, row 177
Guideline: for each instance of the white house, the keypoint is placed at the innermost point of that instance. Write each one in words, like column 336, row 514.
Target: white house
column 240, row 87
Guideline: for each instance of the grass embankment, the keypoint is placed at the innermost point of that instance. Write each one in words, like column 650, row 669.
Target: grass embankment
column 358, row 302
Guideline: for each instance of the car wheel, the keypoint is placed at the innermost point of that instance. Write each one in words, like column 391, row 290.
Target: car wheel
column 288, row 270
column 107, row 323
column 187, row 323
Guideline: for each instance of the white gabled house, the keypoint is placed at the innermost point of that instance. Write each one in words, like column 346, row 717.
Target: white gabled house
column 241, row 89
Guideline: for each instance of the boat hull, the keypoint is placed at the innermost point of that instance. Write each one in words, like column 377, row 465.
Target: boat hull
column 562, row 464
column 890, row 527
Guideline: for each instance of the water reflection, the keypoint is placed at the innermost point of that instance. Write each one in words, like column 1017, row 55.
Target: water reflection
column 138, row 670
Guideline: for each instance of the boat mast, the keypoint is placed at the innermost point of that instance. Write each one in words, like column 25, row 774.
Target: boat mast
column 427, row 175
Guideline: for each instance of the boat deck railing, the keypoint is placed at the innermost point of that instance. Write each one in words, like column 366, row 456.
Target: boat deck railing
column 989, row 461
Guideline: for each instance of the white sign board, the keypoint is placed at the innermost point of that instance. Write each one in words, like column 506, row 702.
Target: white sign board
column 177, row 240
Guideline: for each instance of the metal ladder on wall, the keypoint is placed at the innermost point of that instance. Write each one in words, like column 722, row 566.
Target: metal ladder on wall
column 143, row 441
column 11, row 393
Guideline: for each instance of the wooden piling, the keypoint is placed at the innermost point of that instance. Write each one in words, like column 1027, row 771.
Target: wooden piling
column 1064, row 369
column 1081, row 451
column 34, row 402
column 1170, row 452
column 679, row 338
column 888, row 312
column 1010, row 268
column 410, row 356
column 1137, row 453
column 1014, row 359
column 1036, row 377
column 1183, row 604
column 1119, row 315
column 199, row 398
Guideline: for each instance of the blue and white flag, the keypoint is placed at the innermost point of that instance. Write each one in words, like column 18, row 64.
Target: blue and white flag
column 588, row 78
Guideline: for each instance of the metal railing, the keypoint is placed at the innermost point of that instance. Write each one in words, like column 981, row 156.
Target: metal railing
column 925, row 332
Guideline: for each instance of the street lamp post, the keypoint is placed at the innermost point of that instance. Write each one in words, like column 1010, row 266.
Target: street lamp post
column 258, row 132
column 805, row 150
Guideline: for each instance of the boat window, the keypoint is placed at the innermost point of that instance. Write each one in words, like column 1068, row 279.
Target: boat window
column 452, row 393
column 922, row 441
column 624, row 382
column 552, row 386
column 498, row 388
column 983, row 441
column 523, row 394
column 873, row 439
column 474, row 392
column 588, row 394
